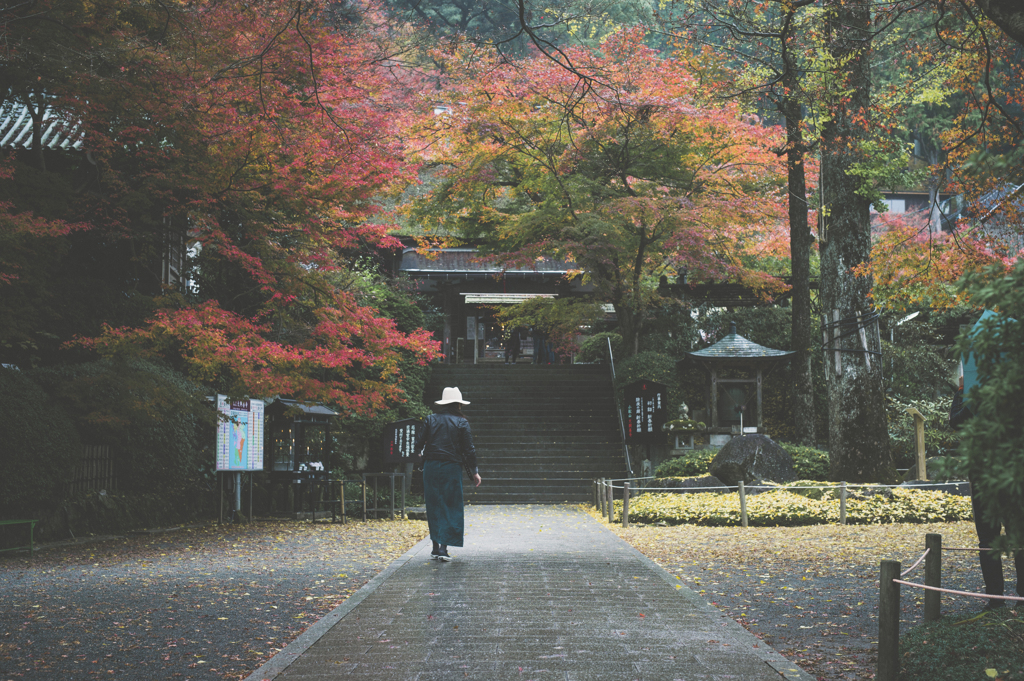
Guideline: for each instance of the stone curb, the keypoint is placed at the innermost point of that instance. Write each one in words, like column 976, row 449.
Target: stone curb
column 287, row 655
column 769, row 655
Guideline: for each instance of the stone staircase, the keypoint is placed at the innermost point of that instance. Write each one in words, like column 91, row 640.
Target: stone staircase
column 542, row 432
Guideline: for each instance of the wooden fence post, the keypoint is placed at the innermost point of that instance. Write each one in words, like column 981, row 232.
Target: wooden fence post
column 341, row 497
column 625, row 504
column 933, row 576
column 743, row 505
column 842, row 503
column 922, row 462
column 888, row 622
column 611, row 501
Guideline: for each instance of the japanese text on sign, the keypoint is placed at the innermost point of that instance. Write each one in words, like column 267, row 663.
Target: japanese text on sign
column 400, row 441
column 646, row 412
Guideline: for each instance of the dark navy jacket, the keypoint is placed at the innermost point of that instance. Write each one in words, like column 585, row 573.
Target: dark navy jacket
column 959, row 412
column 447, row 437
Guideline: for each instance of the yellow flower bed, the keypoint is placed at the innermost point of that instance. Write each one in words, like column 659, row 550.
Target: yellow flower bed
column 781, row 508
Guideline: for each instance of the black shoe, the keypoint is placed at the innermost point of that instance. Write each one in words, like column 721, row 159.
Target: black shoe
column 442, row 555
column 995, row 604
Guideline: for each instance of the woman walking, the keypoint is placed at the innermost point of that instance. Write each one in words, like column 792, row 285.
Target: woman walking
column 446, row 445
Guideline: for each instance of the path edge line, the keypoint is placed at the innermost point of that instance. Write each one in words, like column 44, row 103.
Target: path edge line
column 786, row 668
column 283, row 659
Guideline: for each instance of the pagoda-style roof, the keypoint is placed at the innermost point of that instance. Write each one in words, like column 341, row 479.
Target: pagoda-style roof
column 735, row 348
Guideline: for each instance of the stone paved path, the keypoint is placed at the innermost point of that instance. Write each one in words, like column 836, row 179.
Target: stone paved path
column 538, row 592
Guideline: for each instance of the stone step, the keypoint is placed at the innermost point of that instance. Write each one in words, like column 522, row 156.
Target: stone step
column 542, row 433
column 550, row 436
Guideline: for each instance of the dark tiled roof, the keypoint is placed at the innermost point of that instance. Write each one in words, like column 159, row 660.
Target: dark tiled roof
column 313, row 409
column 467, row 260
column 735, row 346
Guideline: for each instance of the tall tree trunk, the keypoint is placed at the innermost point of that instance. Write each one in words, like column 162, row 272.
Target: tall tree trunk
column 800, row 242
column 36, row 104
column 1007, row 15
column 858, row 432
column 630, row 325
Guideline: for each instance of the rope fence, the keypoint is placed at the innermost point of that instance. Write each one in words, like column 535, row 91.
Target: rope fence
column 890, row 580
column 604, row 493
column 914, row 566
column 733, row 488
column 971, row 594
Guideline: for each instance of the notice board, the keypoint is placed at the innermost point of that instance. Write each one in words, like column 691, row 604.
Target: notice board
column 399, row 440
column 239, row 435
column 646, row 412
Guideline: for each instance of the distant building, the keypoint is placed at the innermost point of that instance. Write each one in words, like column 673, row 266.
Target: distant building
column 468, row 288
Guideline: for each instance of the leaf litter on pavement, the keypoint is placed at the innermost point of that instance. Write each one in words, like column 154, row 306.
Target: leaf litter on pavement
column 812, row 592
column 217, row 601
column 207, row 602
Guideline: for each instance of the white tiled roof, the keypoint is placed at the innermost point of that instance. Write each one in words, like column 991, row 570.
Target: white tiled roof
column 16, row 129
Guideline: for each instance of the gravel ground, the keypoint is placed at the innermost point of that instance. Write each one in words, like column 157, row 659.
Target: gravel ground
column 812, row 592
column 206, row 602
column 216, row 601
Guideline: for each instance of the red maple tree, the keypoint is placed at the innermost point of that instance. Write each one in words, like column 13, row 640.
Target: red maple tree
column 257, row 134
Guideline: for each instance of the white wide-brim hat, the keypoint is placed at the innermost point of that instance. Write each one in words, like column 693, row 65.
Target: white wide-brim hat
column 451, row 395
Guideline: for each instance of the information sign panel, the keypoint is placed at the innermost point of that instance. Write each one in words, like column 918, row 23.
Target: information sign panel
column 240, row 435
column 646, row 411
column 400, row 440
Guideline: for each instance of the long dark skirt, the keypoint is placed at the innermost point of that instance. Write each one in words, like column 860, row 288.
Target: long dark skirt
column 442, row 491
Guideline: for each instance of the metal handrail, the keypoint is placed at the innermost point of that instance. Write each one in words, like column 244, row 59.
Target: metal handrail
column 618, row 411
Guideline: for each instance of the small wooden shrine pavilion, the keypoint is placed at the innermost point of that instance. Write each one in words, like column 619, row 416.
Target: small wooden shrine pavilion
column 736, row 367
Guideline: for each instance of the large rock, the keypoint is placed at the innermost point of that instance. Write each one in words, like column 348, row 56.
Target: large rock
column 753, row 459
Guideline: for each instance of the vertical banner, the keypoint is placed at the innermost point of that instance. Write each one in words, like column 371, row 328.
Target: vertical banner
column 646, row 411
column 239, row 435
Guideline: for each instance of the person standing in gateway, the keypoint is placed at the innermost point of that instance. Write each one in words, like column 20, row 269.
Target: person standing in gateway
column 445, row 443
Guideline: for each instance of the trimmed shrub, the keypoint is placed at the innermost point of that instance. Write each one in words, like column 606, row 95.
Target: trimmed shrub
column 809, row 463
column 690, row 464
column 784, row 507
column 811, row 489
column 908, row 506
column 595, row 348
column 39, row 447
column 770, row 509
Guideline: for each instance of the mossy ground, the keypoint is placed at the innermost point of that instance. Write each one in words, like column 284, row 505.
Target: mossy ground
column 985, row 646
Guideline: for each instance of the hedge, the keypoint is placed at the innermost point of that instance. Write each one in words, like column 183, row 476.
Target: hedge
column 784, row 508
column 808, row 462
